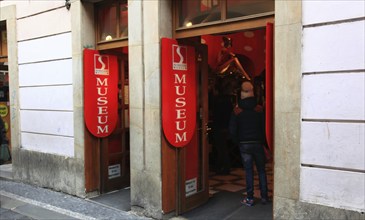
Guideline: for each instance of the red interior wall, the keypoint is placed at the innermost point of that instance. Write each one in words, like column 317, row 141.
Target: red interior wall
column 250, row 44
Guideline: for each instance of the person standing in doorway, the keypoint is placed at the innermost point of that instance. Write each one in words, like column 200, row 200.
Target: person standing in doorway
column 247, row 128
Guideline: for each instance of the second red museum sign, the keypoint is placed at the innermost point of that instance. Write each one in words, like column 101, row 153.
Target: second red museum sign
column 100, row 92
column 178, row 92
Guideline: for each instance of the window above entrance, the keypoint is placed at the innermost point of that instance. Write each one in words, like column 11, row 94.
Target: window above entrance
column 112, row 21
column 204, row 12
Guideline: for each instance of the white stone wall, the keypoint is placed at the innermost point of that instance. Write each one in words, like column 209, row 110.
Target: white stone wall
column 45, row 92
column 333, row 107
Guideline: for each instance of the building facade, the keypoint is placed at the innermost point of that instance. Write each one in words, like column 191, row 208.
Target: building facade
column 318, row 103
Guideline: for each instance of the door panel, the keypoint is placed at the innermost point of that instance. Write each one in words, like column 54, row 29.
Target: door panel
column 193, row 186
column 115, row 166
column 185, row 169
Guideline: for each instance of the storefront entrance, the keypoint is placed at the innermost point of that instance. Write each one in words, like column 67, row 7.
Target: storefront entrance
column 185, row 169
column 238, row 48
column 115, row 165
column 221, row 170
column 109, row 156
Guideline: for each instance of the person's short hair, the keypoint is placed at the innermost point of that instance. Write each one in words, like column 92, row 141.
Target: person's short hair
column 246, row 90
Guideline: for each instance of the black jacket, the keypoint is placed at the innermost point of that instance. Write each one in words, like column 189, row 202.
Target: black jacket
column 222, row 109
column 248, row 125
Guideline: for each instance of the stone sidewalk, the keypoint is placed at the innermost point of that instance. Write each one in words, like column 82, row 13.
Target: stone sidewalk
column 23, row 201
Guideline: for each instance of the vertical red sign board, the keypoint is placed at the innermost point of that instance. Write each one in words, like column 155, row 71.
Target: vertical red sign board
column 100, row 92
column 178, row 92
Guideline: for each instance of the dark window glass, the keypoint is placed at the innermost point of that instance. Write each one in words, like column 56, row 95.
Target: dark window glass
column 240, row 8
column 123, row 19
column 107, row 22
column 193, row 12
column 112, row 18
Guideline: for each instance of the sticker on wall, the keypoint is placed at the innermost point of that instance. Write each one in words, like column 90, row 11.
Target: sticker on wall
column 3, row 110
column 178, row 79
column 6, row 125
column 100, row 92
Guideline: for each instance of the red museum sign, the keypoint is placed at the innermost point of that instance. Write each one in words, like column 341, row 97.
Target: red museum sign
column 100, row 92
column 178, row 92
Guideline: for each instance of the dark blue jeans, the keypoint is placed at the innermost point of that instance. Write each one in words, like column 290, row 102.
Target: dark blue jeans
column 249, row 153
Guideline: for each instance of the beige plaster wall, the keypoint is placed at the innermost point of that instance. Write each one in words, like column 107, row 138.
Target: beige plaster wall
column 287, row 83
column 151, row 20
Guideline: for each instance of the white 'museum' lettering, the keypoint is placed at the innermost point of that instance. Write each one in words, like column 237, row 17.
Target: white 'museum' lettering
column 180, row 105
column 102, row 108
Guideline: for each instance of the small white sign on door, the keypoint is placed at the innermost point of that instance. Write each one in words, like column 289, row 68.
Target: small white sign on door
column 190, row 187
column 114, row 171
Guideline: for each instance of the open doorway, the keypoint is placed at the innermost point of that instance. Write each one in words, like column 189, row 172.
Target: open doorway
column 114, row 151
column 226, row 172
column 249, row 49
column 110, row 154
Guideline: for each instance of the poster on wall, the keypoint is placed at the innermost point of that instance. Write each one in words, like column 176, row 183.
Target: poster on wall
column 178, row 90
column 100, row 92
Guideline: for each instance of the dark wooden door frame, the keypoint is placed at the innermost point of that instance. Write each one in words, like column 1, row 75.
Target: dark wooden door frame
column 95, row 148
column 173, row 159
